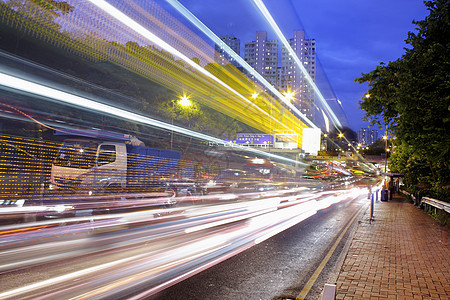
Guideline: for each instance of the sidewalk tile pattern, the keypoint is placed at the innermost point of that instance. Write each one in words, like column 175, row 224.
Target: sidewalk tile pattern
column 402, row 254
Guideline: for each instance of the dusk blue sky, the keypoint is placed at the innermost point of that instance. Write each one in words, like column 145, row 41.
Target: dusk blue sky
column 352, row 36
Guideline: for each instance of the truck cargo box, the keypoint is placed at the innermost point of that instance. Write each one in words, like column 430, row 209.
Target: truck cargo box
column 147, row 164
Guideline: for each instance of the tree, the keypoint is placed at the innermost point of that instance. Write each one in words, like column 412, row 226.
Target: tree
column 377, row 148
column 411, row 97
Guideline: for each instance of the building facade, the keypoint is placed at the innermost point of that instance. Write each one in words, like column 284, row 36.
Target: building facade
column 262, row 56
column 222, row 57
column 291, row 77
column 367, row 137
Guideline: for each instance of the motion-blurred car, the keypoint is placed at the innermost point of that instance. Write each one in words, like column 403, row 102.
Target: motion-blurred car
column 232, row 180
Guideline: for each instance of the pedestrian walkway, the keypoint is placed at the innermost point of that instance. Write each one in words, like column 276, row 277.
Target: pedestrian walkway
column 402, row 254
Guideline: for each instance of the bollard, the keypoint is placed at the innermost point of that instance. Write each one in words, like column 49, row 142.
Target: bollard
column 371, row 210
column 329, row 292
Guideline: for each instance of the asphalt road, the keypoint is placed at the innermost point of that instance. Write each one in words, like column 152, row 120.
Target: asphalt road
column 115, row 257
column 280, row 267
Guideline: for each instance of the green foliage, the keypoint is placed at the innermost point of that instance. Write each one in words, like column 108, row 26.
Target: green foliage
column 56, row 8
column 377, row 148
column 411, row 97
column 199, row 117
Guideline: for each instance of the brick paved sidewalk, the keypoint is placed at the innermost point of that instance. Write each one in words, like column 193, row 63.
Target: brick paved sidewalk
column 403, row 254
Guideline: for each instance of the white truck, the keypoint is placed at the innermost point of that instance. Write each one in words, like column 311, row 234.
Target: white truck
column 95, row 162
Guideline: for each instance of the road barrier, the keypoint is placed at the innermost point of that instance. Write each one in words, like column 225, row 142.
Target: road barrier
column 428, row 202
column 437, row 204
column 413, row 198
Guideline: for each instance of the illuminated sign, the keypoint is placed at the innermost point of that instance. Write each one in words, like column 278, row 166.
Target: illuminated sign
column 311, row 140
column 253, row 139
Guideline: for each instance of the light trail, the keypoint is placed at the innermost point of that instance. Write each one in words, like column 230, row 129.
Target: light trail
column 65, row 97
column 194, row 20
column 151, row 62
column 286, row 44
column 132, row 24
column 65, row 277
column 127, row 261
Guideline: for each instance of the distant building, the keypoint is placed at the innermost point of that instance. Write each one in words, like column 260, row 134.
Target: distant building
column 367, row 136
column 222, row 57
column 262, row 55
column 290, row 76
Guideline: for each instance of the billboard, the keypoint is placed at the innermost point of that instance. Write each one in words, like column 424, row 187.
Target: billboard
column 253, row 139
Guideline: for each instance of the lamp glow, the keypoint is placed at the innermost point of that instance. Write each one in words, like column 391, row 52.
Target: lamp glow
column 185, row 101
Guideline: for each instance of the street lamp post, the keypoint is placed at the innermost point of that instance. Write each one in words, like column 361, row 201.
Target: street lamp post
column 386, row 152
column 340, row 135
column 325, row 142
column 185, row 102
column 171, row 134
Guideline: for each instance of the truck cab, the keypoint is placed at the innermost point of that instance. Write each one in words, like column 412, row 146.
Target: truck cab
column 94, row 162
column 89, row 166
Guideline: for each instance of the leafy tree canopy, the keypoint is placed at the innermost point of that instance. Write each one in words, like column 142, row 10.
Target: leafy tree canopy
column 411, row 97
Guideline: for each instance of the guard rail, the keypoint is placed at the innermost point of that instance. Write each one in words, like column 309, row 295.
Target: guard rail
column 437, row 204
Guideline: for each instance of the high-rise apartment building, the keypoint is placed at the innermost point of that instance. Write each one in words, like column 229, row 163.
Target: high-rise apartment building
column 222, row 57
column 291, row 77
column 367, row 137
column 262, row 55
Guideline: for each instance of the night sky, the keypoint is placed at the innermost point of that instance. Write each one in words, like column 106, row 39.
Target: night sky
column 352, row 36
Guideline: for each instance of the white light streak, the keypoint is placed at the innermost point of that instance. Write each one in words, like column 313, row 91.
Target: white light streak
column 132, row 24
column 286, row 44
column 45, row 91
column 69, row 276
column 194, row 20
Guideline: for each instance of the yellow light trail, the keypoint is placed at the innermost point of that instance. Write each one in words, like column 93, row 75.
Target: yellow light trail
column 77, row 101
column 220, row 88
column 271, row 21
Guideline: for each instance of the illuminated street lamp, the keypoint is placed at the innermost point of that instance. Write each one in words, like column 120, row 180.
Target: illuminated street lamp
column 185, row 101
column 289, row 96
column 255, row 95
column 340, row 136
column 324, row 142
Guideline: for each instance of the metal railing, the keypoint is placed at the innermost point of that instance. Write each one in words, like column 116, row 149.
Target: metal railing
column 413, row 198
column 437, row 204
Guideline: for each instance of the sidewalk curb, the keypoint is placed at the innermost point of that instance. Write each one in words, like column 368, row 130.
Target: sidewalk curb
column 336, row 270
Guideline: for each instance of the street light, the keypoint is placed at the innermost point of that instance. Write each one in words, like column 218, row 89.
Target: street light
column 289, row 96
column 340, row 135
column 255, row 95
column 325, row 142
column 185, row 101
column 387, row 150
